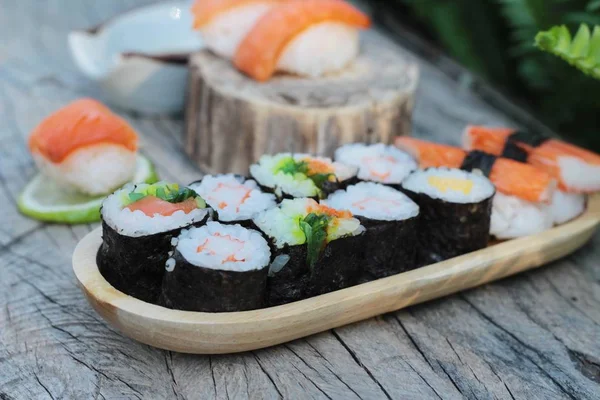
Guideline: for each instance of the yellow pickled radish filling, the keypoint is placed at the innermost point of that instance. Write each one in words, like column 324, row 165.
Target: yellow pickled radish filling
column 455, row 184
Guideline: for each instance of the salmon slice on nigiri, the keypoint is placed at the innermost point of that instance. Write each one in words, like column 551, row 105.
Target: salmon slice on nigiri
column 304, row 37
column 577, row 170
column 225, row 23
column 85, row 147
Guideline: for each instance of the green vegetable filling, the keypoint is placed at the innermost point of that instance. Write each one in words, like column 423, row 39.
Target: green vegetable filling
column 291, row 166
column 167, row 192
column 314, row 227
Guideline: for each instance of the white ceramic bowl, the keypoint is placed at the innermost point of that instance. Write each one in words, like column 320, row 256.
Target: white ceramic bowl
column 139, row 58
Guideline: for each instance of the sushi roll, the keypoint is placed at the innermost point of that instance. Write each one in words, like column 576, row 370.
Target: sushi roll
column 85, row 148
column 316, row 249
column 300, row 175
column 233, row 198
column 377, row 162
column 455, row 211
column 519, row 184
column 304, row 37
column 138, row 225
column 390, row 219
column 576, row 170
column 217, row 268
column 224, row 23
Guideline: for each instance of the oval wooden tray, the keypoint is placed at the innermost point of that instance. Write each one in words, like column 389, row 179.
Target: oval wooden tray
column 215, row 333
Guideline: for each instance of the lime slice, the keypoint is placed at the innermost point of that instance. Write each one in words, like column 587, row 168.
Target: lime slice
column 44, row 200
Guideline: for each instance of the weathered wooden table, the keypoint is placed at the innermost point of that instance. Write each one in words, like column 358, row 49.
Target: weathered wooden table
column 533, row 336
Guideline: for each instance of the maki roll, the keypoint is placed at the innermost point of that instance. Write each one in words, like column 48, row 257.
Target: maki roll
column 377, row 162
column 390, row 217
column 138, row 224
column 455, row 212
column 233, row 198
column 217, row 268
column 301, row 175
column 316, row 250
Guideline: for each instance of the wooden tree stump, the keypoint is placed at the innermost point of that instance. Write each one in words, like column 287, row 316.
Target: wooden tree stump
column 231, row 120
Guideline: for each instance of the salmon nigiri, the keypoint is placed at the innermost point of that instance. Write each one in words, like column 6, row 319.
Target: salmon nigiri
column 305, row 37
column 85, row 148
column 509, row 176
column 225, row 23
column 576, row 169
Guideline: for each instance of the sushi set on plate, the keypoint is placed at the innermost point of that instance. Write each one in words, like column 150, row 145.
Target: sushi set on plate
column 305, row 244
column 298, row 242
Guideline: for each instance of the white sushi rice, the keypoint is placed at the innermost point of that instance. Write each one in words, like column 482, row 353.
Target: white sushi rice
column 418, row 182
column 93, row 170
column 233, row 197
column 513, row 217
column 136, row 223
column 224, row 33
column 223, row 247
column 566, row 206
column 297, row 185
column 282, row 223
column 374, row 201
column 323, row 48
column 578, row 174
column 377, row 162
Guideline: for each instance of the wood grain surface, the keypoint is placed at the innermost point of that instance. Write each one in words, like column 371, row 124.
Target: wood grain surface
column 231, row 120
column 531, row 336
column 234, row 332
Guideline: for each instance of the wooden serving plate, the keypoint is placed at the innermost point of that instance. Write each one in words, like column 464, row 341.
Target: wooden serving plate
column 216, row 333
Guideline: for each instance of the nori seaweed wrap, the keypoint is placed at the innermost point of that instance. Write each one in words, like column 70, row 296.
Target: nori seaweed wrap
column 217, row 268
column 291, row 176
column 455, row 211
column 138, row 225
column 391, row 222
column 316, row 250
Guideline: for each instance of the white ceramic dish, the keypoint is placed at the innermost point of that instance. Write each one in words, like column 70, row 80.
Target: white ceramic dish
column 139, row 57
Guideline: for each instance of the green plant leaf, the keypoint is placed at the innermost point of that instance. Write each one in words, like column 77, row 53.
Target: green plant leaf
column 582, row 51
column 314, row 227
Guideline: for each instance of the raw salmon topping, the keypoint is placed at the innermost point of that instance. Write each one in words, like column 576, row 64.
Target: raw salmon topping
column 205, row 10
column 151, row 205
column 82, row 123
column 259, row 52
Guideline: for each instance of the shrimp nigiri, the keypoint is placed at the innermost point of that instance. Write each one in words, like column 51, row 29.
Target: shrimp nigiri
column 522, row 205
column 576, row 170
column 84, row 147
column 225, row 23
column 304, row 37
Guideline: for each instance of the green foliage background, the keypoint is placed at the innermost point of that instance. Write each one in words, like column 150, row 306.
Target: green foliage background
column 495, row 39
